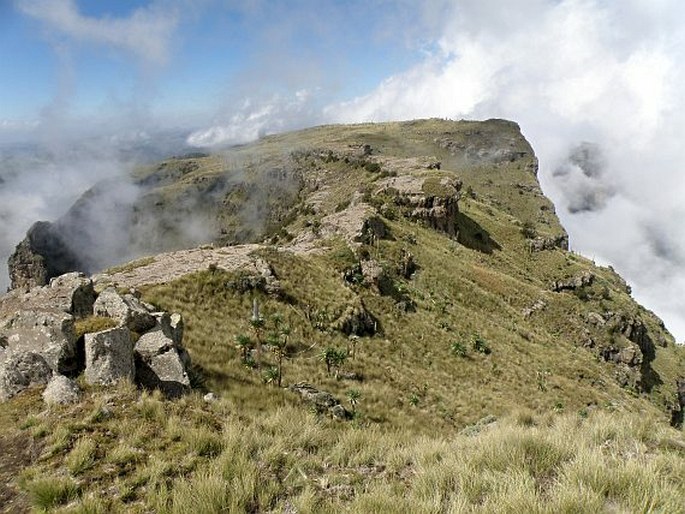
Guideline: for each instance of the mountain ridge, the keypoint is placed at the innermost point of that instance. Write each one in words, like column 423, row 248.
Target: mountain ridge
column 424, row 280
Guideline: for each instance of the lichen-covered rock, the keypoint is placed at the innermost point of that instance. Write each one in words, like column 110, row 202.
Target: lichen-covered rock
column 20, row 370
column 126, row 309
column 372, row 271
column 586, row 278
column 356, row 320
column 49, row 333
column 61, row 390
column 540, row 243
column 160, row 363
column 373, row 229
column 322, row 401
column 73, row 293
column 109, row 356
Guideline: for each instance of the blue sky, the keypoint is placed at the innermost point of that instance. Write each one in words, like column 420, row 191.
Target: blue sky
column 221, row 72
column 212, row 53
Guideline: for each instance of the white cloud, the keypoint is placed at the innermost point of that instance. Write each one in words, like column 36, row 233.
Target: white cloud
column 571, row 71
column 146, row 33
column 256, row 118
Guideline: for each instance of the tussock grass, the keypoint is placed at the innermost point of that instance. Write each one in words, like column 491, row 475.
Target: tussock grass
column 93, row 324
column 50, row 492
column 220, row 460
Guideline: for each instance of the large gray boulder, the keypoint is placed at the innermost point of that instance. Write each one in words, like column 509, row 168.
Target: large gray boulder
column 161, row 363
column 126, row 309
column 20, row 370
column 73, row 293
column 49, row 333
column 61, row 390
column 109, row 356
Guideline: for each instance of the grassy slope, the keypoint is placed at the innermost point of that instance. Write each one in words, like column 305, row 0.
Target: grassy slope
column 569, row 437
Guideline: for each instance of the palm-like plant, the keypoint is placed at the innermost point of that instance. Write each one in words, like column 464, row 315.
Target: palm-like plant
column 353, row 396
column 271, row 375
column 244, row 344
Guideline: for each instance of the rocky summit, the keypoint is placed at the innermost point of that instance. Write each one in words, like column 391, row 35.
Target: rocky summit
column 380, row 318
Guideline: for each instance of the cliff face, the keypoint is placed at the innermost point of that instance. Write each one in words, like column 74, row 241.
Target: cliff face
column 42, row 255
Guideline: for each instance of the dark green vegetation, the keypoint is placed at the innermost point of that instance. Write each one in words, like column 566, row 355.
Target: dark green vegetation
column 487, row 369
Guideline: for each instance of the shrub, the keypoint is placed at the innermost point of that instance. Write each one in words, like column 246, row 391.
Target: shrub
column 481, row 346
column 458, row 349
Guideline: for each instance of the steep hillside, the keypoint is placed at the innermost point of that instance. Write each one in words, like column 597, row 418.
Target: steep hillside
column 414, row 271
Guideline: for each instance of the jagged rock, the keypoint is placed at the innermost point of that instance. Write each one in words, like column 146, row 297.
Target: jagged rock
column 48, row 333
column 373, row 228
column 322, row 401
column 61, row 390
column 437, row 213
column 210, row 397
column 42, row 255
column 73, row 293
column 407, row 266
column 436, row 206
column 540, row 243
column 596, row 319
column 678, row 411
column 160, row 364
column 632, row 328
column 21, row 369
column 271, row 283
column 109, row 356
column 537, row 306
column 372, row 271
column 356, row 320
column 629, row 355
column 586, row 278
column 258, row 275
column 126, row 309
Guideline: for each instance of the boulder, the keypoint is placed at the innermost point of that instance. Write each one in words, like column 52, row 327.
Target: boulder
column 321, row 401
column 540, row 243
column 73, row 293
column 61, row 391
column 49, row 333
column 583, row 279
column 20, row 370
column 372, row 271
column 109, row 356
column 126, row 309
column 356, row 320
column 161, row 363
column 372, row 229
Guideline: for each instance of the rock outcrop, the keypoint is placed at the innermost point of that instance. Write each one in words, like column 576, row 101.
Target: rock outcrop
column 322, row 401
column 126, row 309
column 38, row 340
column 42, row 255
column 540, row 243
column 109, row 356
column 434, row 203
column 584, row 279
column 160, row 363
column 22, row 369
column 48, row 333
